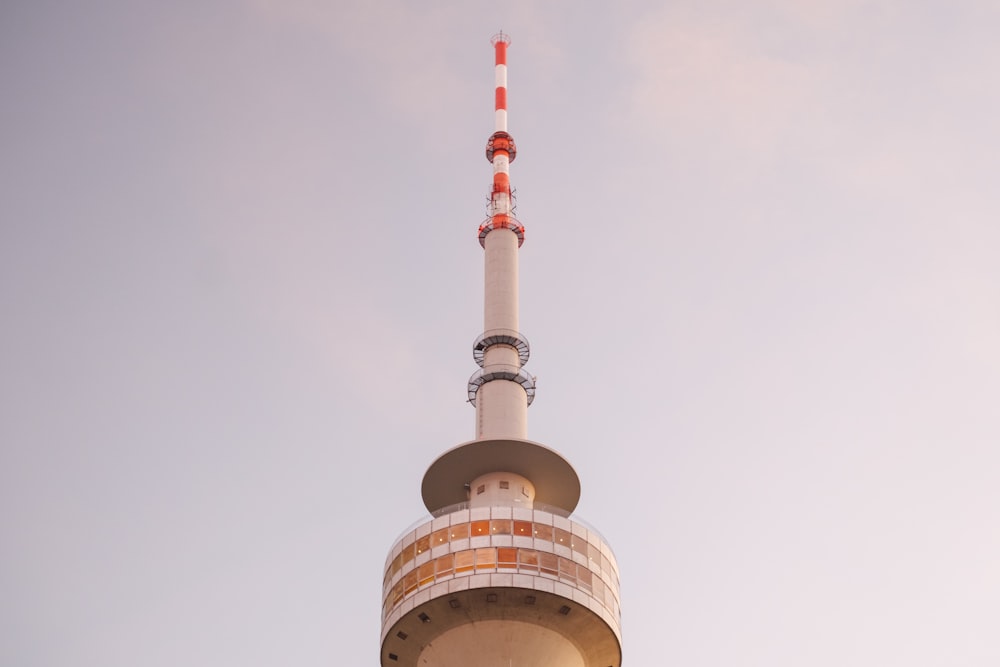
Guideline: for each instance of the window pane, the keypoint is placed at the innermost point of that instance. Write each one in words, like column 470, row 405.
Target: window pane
column 594, row 554
column 410, row 582
column 563, row 537
column 425, row 574
column 598, row 588
column 500, row 526
column 584, row 578
column 464, row 560
column 567, row 569
column 397, row 563
column 507, row 557
column 528, row 559
column 459, row 531
column 439, row 537
column 543, row 532
column 423, row 544
column 444, row 564
column 480, row 528
column 407, row 554
column 549, row 563
column 522, row 528
column 579, row 545
column 486, row 559
column 397, row 592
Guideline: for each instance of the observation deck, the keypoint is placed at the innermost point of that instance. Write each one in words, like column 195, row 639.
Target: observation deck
column 501, row 563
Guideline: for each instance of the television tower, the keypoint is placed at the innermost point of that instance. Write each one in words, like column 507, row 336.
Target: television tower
column 501, row 575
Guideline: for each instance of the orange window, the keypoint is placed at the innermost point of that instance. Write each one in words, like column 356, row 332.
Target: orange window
column 410, row 582
column 408, row 554
column 543, row 532
column 425, row 574
column 567, row 569
column 549, row 563
column 522, row 528
column 443, row 564
column 500, row 526
column 397, row 592
column 486, row 559
column 579, row 545
column 527, row 559
column 563, row 537
column 507, row 557
column 439, row 537
column 464, row 560
column 397, row 563
column 459, row 531
column 584, row 578
column 423, row 544
column 480, row 528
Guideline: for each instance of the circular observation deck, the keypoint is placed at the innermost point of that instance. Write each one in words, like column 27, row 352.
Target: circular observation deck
column 555, row 481
column 523, row 584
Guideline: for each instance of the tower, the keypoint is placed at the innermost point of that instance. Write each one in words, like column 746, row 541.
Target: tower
column 501, row 574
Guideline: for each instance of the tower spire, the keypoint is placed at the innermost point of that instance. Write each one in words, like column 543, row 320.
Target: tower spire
column 500, row 573
column 502, row 390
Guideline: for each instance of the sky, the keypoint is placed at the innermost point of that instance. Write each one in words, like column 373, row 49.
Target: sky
column 240, row 282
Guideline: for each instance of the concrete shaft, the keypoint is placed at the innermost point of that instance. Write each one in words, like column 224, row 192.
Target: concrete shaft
column 501, row 405
column 500, row 303
column 501, row 411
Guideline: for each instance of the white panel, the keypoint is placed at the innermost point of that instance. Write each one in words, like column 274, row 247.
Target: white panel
column 542, row 516
column 546, row 585
column 501, row 120
column 502, row 579
column 424, row 529
column 564, row 590
column 501, row 76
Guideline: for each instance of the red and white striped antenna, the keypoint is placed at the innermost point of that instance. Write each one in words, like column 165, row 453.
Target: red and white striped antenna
column 502, row 390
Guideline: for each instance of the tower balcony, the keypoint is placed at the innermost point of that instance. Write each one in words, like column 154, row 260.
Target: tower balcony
column 504, row 560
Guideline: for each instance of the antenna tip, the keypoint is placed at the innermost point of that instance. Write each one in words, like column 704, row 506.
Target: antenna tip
column 500, row 37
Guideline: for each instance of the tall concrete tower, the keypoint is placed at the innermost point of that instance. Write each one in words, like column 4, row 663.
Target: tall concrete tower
column 501, row 575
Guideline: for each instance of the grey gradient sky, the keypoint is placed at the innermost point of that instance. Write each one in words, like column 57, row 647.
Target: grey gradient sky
column 239, row 284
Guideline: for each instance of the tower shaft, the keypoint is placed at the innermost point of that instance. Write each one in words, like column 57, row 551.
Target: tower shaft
column 504, row 389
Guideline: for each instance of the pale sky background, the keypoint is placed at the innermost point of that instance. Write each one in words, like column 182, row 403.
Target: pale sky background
column 239, row 285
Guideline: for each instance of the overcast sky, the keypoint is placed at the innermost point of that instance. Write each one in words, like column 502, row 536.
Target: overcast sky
column 240, row 282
